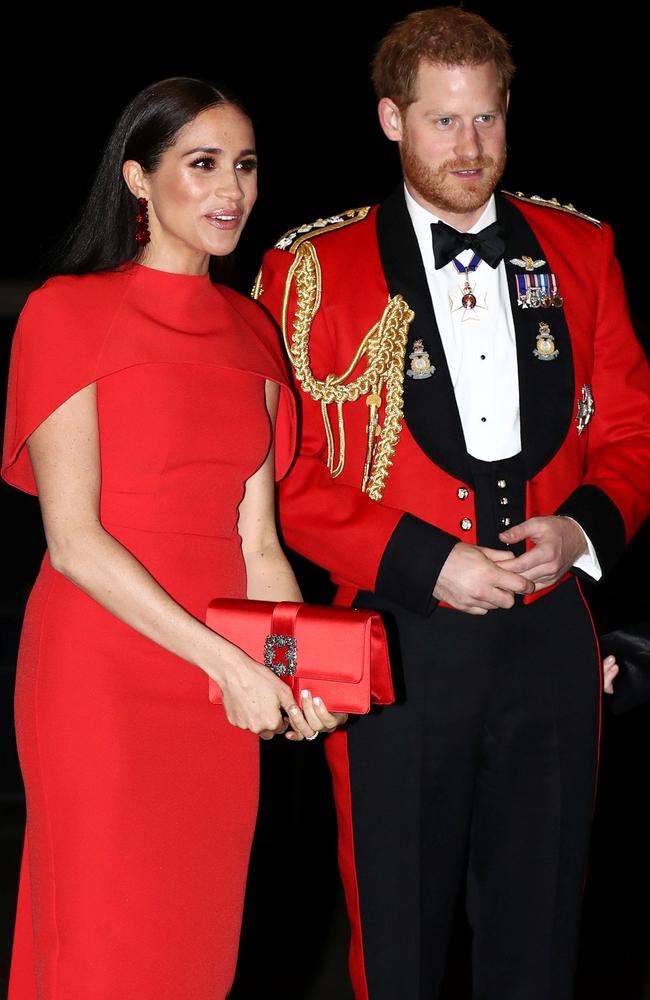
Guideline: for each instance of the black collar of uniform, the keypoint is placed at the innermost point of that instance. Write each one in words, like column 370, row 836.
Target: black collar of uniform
column 546, row 388
column 430, row 409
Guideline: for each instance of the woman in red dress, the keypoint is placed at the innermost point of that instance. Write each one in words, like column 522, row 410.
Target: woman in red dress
column 143, row 403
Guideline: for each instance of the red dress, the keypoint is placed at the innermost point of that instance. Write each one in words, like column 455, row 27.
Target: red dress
column 141, row 798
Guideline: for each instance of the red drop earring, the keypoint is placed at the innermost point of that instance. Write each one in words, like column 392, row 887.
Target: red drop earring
column 142, row 235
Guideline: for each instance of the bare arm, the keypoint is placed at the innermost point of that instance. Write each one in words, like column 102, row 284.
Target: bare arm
column 64, row 451
column 269, row 575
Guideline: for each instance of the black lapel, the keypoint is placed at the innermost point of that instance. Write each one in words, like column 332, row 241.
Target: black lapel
column 430, row 409
column 545, row 387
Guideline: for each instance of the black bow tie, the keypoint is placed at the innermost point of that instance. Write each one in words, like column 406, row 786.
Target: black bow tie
column 489, row 244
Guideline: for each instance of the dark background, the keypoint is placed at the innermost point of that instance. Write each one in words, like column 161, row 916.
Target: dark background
column 577, row 131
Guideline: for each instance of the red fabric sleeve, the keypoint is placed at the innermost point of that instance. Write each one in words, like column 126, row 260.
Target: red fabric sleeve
column 54, row 354
column 286, row 420
column 76, row 330
column 618, row 455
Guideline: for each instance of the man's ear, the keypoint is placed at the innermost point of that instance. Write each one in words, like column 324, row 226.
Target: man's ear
column 390, row 119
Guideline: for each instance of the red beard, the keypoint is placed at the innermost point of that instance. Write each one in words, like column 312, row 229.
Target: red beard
column 441, row 191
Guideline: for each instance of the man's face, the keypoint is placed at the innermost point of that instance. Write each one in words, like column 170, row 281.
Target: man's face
column 452, row 137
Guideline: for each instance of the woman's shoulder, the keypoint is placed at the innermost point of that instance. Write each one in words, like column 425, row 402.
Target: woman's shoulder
column 67, row 304
column 259, row 331
column 253, row 315
column 247, row 307
column 75, row 289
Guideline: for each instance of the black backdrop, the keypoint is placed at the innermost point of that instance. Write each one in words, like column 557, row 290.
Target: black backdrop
column 577, row 126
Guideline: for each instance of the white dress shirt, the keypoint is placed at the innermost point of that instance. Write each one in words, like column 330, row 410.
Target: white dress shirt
column 480, row 348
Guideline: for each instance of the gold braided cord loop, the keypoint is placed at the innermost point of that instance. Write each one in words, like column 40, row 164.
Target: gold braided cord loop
column 337, row 469
column 257, row 289
column 384, row 346
column 394, row 346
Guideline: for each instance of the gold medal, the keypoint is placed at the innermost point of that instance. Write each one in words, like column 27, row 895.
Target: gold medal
column 545, row 349
column 420, row 366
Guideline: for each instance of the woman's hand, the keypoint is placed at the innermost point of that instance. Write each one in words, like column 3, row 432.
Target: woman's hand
column 610, row 670
column 254, row 699
column 317, row 717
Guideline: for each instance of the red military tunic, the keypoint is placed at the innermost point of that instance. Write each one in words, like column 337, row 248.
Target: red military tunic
column 610, row 456
column 491, row 747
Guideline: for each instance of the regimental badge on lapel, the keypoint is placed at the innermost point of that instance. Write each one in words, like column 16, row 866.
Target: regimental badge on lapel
column 537, row 291
column 527, row 262
column 546, row 349
column 585, row 409
column 421, row 366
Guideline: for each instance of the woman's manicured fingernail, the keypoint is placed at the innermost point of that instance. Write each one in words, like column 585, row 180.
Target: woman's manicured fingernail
column 305, row 693
column 317, row 701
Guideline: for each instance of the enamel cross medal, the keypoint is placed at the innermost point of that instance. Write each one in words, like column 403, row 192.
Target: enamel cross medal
column 467, row 300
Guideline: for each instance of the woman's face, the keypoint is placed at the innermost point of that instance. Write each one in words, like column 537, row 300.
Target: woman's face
column 202, row 192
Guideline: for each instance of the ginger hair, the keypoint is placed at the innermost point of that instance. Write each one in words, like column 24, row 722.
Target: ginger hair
column 444, row 36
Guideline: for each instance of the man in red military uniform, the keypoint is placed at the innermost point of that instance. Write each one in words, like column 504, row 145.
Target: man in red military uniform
column 476, row 435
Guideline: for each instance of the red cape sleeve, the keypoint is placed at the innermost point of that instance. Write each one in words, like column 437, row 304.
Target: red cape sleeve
column 54, row 354
column 275, row 368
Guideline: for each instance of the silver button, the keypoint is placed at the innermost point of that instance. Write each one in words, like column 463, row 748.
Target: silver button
column 501, row 483
column 503, row 501
column 465, row 524
column 505, row 522
column 462, row 493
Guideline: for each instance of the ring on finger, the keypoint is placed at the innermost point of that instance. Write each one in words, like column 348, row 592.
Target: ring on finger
column 313, row 737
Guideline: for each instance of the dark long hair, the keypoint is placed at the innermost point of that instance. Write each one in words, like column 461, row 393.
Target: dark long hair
column 103, row 237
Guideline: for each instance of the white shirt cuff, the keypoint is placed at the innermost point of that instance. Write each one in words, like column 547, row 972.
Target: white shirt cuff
column 588, row 561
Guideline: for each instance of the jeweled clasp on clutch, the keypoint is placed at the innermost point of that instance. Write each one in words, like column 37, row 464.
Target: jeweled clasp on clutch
column 281, row 654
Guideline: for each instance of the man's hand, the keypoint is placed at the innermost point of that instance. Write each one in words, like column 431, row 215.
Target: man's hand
column 558, row 541
column 475, row 579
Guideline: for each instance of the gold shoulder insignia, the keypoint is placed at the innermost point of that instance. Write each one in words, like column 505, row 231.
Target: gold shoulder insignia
column 384, row 347
column 294, row 237
column 535, row 199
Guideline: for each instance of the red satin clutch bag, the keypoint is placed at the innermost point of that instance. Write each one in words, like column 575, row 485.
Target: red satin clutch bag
column 339, row 654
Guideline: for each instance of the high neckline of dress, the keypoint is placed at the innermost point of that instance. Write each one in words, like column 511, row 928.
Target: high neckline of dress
column 154, row 273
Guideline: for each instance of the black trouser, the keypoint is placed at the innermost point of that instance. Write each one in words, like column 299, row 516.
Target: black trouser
column 486, row 766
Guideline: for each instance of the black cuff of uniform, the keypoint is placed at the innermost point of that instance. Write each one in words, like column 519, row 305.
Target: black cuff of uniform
column 411, row 564
column 600, row 518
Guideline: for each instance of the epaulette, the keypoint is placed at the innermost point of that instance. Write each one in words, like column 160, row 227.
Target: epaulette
column 553, row 203
column 294, row 237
